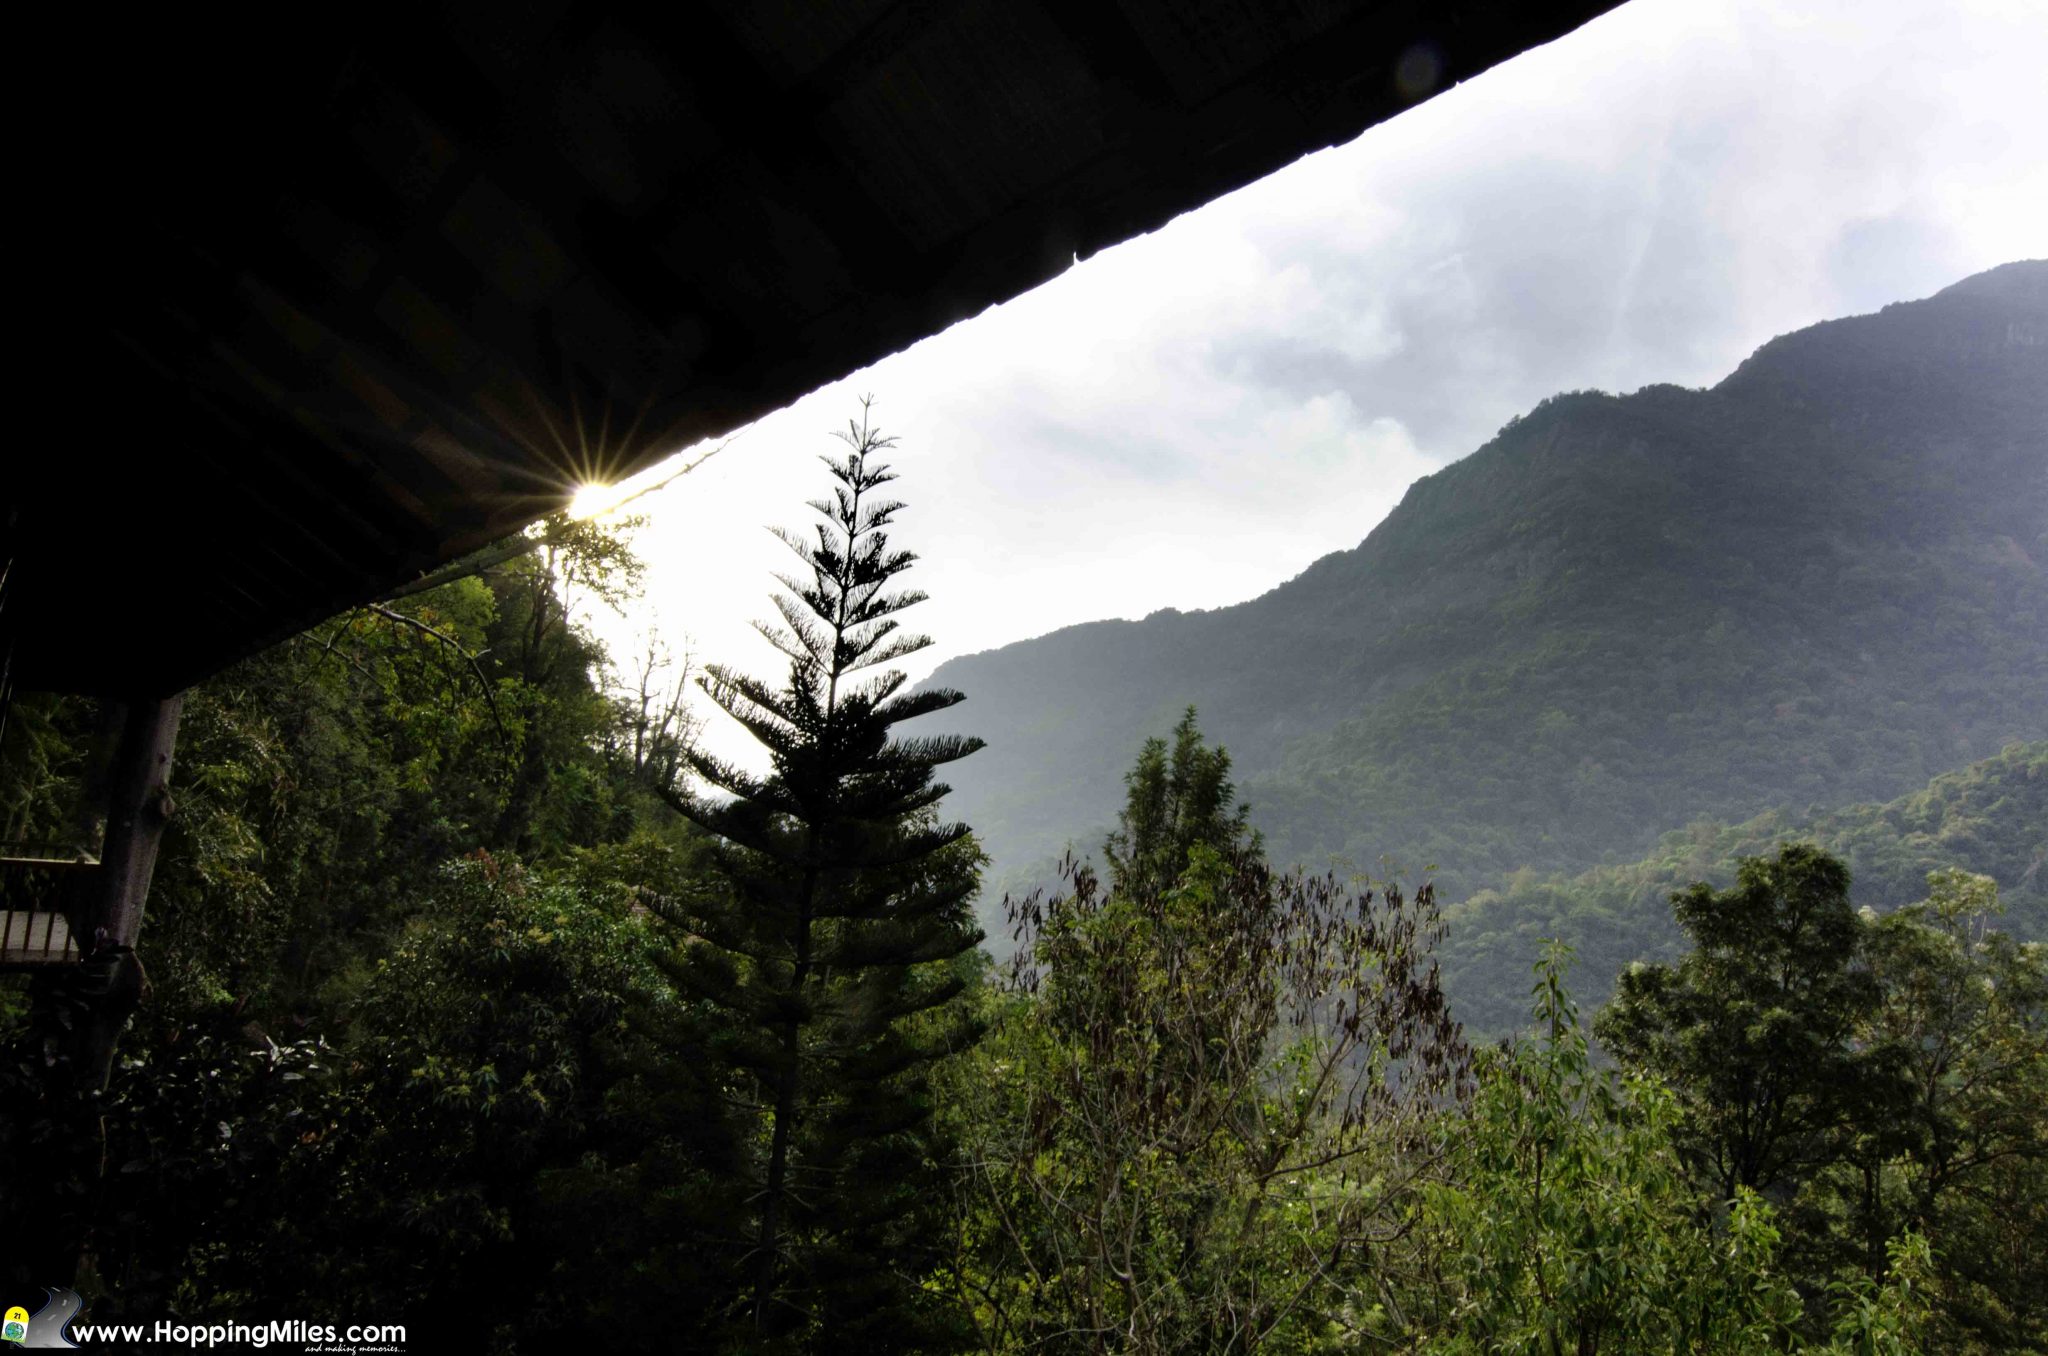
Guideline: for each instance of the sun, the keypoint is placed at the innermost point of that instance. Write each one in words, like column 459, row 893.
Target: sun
column 593, row 498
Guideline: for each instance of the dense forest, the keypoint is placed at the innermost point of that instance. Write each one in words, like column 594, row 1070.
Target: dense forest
column 1991, row 819
column 480, row 998
column 1822, row 581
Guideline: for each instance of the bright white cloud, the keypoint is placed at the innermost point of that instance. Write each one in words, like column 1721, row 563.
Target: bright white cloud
column 1193, row 417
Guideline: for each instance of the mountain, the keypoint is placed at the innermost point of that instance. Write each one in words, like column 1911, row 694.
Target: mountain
column 1990, row 818
column 1824, row 580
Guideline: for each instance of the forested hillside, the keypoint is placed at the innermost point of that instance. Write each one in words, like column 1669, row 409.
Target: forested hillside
column 1990, row 818
column 1822, row 581
column 476, row 997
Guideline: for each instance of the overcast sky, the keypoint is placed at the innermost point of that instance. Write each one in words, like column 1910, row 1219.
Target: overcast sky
column 1192, row 417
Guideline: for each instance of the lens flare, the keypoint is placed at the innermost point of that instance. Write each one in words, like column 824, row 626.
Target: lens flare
column 594, row 499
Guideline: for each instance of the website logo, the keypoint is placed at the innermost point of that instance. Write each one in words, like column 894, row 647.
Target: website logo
column 45, row 1331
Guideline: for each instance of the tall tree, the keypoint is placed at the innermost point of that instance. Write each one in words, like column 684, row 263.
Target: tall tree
column 1756, row 1028
column 1963, row 1159
column 652, row 727
column 847, row 899
column 1174, row 800
column 538, row 642
column 1201, row 1107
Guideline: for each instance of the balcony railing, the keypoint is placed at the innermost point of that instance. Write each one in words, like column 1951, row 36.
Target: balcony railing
column 46, row 902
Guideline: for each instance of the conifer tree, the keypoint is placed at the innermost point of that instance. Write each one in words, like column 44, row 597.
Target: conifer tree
column 847, row 897
column 1172, row 802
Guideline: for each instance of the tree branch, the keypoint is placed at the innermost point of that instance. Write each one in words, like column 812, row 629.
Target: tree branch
column 490, row 697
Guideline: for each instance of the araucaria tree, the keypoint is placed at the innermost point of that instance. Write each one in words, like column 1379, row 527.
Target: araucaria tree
column 831, row 951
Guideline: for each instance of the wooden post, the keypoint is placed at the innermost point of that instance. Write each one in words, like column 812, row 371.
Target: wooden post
column 138, row 806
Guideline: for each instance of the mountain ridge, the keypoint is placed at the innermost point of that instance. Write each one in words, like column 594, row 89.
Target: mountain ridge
column 2026, row 276
column 1791, row 528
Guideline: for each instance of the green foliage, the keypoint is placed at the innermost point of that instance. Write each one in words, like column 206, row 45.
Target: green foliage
column 315, row 782
column 703, row 1088
column 1205, row 1098
column 542, row 663
column 1884, row 1078
column 831, row 953
column 1170, row 805
column 1755, row 1028
column 492, row 1135
column 45, row 757
column 1990, row 818
column 1569, row 1224
column 1961, row 1159
column 163, row 1189
column 1888, row 1318
column 319, row 786
column 480, row 1046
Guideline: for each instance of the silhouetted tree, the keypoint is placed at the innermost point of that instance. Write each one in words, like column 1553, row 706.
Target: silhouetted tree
column 847, row 899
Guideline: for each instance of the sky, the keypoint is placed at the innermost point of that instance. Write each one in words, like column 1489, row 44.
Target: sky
column 1190, row 418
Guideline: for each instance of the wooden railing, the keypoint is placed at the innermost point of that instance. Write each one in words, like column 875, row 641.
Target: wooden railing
column 46, row 904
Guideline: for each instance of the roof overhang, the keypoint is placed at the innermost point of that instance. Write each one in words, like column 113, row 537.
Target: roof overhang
column 336, row 305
